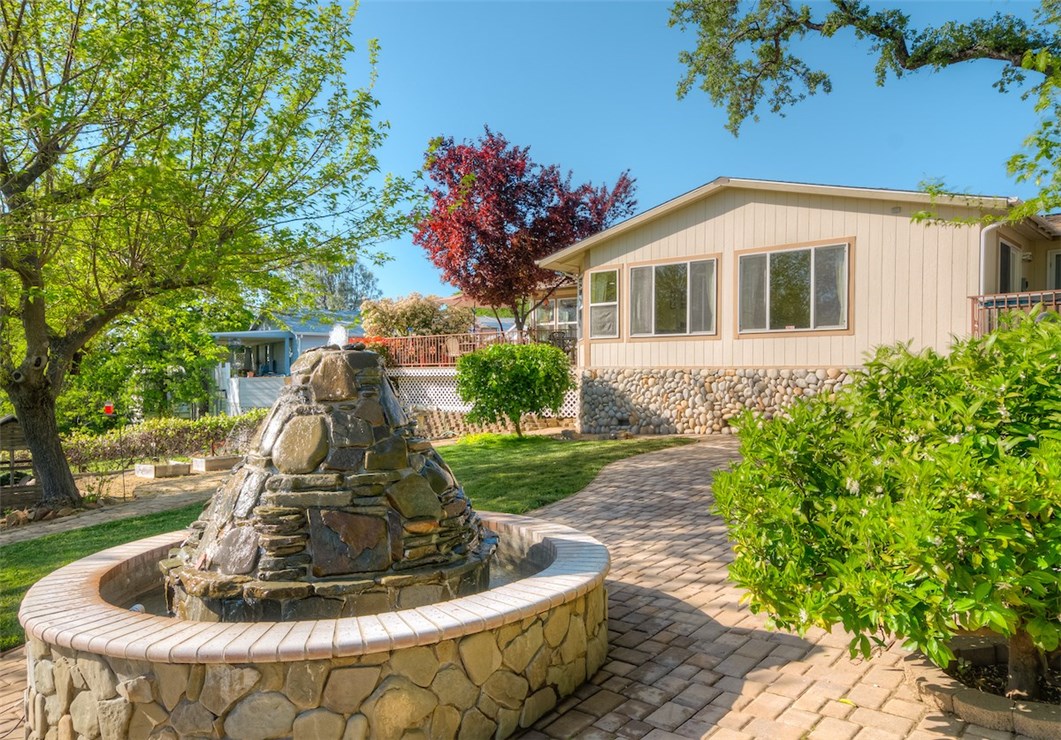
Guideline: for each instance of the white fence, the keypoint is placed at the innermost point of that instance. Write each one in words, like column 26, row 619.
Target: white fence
column 245, row 394
column 436, row 388
column 417, row 387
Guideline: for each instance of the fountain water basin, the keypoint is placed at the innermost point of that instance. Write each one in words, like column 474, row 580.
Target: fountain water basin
column 483, row 665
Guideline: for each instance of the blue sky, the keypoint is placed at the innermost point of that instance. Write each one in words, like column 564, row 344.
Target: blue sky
column 590, row 86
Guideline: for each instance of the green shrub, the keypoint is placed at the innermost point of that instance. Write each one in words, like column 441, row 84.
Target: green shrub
column 920, row 501
column 158, row 438
column 509, row 380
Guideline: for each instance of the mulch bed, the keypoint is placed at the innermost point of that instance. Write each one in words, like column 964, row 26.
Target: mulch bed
column 991, row 679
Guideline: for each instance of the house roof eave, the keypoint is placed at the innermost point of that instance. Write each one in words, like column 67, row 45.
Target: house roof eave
column 569, row 260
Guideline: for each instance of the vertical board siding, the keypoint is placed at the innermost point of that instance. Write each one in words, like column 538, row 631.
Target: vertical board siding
column 910, row 281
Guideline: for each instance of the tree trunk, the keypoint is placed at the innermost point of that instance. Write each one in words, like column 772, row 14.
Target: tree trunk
column 1025, row 665
column 519, row 321
column 35, row 409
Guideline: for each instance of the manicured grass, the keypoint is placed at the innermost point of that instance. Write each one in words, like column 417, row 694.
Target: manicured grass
column 513, row 475
column 499, row 473
column 24, row 563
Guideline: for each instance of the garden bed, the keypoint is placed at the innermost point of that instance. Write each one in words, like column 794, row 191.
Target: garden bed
column 973, row 687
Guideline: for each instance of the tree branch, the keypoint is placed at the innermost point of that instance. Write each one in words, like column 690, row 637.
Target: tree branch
column 745, row 53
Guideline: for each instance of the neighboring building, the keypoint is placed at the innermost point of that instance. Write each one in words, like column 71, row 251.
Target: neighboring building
column 491, row 325
column 260, row 358
column 749, row 293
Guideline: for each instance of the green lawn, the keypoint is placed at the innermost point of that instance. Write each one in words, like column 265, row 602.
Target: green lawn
column 505, row 473
column 499, row 473
column 24, row 563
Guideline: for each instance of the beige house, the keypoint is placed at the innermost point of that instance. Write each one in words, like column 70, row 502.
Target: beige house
column 748, row 293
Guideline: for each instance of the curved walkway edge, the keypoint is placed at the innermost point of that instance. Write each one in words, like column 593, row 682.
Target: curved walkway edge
column 191, row 490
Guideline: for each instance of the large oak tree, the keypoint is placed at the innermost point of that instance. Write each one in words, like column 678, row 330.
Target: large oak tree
column 494, row 212
column 175, row 145
column 746, row 57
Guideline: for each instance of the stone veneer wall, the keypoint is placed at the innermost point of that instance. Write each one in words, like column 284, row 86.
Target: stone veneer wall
column 516, row 655
column 692, row 400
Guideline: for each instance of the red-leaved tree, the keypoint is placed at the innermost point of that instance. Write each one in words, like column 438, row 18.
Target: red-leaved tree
column 494, row 212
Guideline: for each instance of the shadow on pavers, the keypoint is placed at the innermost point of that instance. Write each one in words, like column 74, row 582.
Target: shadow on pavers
column 670, row 667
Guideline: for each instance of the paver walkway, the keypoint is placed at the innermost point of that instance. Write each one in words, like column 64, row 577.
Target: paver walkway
column 686, row 659
column 152, row 498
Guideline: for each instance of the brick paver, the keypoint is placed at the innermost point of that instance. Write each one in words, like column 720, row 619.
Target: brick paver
column 689, row 659
column 686, row 658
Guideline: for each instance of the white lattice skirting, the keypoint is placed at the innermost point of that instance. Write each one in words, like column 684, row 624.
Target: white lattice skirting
column 436, row 388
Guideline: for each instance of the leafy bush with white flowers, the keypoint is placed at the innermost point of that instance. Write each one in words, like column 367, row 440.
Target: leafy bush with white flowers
column 922, row 500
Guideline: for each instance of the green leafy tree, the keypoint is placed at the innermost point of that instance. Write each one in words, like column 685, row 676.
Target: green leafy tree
column 920, row 501
column 149, row 363
column 415, row 315
column 746, row 56
column 506, row 381
column 151, row 148
column 338, row 288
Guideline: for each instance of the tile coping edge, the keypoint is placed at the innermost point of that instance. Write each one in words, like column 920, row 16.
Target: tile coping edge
column 580, row 564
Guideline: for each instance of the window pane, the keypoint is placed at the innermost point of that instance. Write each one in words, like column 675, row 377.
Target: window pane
column 545, row 313
column 603, row 321
column 830, row 287
column 702, row 296
column 671, row 303
column 567, row 311
column 753, row 292
column 602, row 287
column 641, row 300
column 790, row 290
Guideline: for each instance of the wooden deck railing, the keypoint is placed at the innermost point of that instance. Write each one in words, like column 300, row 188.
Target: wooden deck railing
column 442, row 350
column 439, row 350
column 986, row 309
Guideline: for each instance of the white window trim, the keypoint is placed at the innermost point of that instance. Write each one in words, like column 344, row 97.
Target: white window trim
column 568, row 326
column 812, row 327
column 1016, row 268
column 688, row 302
column 591, row 305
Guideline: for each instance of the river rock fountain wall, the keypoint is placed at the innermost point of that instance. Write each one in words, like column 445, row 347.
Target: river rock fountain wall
column 475, row 667
column 315, row 661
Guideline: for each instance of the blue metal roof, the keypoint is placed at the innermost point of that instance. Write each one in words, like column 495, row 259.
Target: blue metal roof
column 312, row 322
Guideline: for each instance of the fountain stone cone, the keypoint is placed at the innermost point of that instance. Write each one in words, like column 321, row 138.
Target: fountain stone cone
column 338, row 510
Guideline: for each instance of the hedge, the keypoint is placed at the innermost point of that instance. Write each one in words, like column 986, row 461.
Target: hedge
column 160, row 438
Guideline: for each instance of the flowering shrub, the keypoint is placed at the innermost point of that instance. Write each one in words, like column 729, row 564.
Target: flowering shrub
column 382, row 346
column 921, row 500
column 509, row 380
column 157, row 438
column 415, row 315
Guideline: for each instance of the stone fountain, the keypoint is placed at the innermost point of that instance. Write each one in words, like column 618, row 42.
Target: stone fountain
column 338, row 510
column 336, row 586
